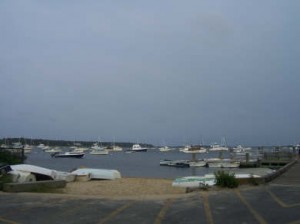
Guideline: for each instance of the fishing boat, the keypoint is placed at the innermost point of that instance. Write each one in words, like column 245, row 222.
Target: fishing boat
column 68, row 155
column 138, row 148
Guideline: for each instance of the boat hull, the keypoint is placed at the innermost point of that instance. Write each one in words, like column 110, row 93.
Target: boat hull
column 71, row 155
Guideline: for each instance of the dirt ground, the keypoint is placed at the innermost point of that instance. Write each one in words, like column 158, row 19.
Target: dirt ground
column 124, row 187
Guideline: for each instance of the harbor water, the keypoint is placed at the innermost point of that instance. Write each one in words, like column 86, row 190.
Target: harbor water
column 137, row 164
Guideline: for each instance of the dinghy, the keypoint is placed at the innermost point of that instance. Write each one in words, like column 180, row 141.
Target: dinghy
column 98, row 174
column 195, row 181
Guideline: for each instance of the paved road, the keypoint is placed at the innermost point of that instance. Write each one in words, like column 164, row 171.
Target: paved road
column 273, row 203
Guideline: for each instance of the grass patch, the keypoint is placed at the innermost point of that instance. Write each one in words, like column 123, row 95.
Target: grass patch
column 225, row 179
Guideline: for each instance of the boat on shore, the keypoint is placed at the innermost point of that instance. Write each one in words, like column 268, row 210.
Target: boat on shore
column 97, row 174
column 77, row 155
column 206, row 180
column 195, row 181
column 40, row 173
column 30, row 173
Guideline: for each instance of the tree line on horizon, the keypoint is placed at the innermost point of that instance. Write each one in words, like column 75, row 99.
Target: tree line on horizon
column 66, row 143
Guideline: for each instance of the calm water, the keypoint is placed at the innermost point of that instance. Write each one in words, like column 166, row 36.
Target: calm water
column 139, row 164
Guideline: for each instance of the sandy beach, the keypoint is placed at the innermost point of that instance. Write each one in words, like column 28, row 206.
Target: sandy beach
column 124, row 188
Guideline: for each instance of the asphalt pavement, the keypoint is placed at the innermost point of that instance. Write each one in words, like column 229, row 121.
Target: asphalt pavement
column 276, row 202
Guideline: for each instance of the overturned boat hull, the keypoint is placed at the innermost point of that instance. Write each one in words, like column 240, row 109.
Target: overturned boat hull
column 98, row 174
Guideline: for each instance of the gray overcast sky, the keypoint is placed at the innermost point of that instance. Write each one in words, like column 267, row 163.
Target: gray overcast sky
column 162, row 72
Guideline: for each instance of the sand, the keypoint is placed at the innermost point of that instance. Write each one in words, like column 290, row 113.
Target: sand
column 124, row 187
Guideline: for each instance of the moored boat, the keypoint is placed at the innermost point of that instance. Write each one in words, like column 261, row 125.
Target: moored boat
column 138, row 148
column 175, row 163
column 224, row 164
column 68, row 155
column 164, row 149
column 99, row 152
column 198, row 163
column 194, row 149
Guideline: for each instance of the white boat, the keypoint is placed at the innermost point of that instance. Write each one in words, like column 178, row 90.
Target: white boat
column 4, row 146
column 17, row 145
column 68, row 155
column 199, row 163
column 39, row 172
column 138, row 148
column 175, row 163
column 223, row 164
column 195, row 181
column 99, row 152
column 114, row 148
column 193, row 149
column 80, row 149
column 43, row 147
column 27, row 147
column 185, row 148
column 66, row 176
column 217, row 147
column 96, row 146
column 164, row 149
column 240, row 148
column 53, row 150
column 165, row 162
column 206, row 180
column 99, row 174
column 21, row 176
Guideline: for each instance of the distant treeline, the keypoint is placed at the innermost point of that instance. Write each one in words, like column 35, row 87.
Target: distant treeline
column 36, row 142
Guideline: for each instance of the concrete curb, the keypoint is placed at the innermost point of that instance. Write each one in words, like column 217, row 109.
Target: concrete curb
column 278, row 172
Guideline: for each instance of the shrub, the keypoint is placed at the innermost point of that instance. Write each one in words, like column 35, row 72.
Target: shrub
column 8, row 157
column 225, row 179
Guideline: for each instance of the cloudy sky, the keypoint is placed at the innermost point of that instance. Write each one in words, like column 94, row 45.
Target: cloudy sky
column 162, row 72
